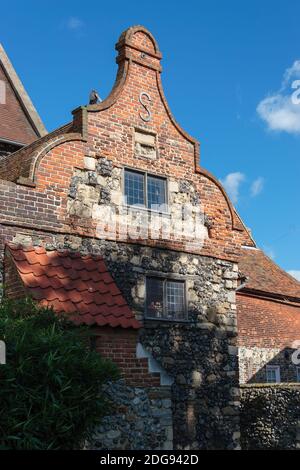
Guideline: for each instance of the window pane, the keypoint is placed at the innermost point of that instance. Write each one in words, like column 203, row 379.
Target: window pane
column 134, row 188
column 155, row 296
column 273, row 374
column 156, row 188
column 175, row 300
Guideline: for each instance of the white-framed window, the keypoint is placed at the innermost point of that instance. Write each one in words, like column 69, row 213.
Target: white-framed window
column 273, row 374
column 298, row 373
column 145, row 190
column 165, row 299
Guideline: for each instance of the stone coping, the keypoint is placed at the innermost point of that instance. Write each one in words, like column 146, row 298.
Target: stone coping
column 272, row 385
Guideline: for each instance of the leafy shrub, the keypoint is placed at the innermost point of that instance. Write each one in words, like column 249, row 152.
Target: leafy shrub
column 50, row 387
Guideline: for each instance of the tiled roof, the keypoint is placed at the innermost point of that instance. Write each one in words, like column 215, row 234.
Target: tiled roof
column 265, row 276
column 71, row 283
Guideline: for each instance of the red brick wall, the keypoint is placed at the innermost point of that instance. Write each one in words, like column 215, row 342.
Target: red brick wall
column 119, row 345
column 267, row 324
column 44, row 206
column 14, row 288
column 14, row 124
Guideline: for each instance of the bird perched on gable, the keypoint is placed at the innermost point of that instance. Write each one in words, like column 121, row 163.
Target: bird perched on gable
column 94, row 97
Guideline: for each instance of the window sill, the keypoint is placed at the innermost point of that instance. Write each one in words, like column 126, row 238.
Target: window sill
column 145, row 209
column 167, row 320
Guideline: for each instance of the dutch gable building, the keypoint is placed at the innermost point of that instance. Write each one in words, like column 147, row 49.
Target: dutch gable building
column 112, row 219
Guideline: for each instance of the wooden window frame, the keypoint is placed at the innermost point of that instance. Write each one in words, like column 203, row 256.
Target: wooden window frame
column 146, row 174
column 165, row 280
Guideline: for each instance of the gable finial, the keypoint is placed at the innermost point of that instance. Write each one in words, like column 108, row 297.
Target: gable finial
column 139, row 45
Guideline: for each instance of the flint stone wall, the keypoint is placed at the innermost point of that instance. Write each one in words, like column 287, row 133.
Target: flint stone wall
column 141, row 419
column 97, row 191
column 253, row 362
column 270, row 416
column 199, row 354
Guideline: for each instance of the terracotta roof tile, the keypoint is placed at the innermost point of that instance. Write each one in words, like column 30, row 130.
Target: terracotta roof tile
column 80, row 286
column 264, row 275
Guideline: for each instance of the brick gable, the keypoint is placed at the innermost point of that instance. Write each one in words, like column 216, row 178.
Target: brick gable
column 14, row 124
column 19, row 121
column 112, row 131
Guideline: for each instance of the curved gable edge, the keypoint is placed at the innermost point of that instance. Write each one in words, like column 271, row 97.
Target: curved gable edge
column 79, row 128
column 119, row 85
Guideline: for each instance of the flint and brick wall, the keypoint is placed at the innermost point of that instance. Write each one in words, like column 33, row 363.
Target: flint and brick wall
column 119, row 345
column 72, row 175
column 142, row 419
column 200, row 355
column 113, row 131
column 267, row 335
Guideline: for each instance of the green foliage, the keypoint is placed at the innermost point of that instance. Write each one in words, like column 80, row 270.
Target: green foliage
column 50, row 387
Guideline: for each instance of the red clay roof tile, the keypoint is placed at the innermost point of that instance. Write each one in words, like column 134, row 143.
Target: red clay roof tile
column 264, row 275
column 80, row 286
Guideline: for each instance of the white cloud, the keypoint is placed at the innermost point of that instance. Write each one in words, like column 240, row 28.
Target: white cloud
column 74, row 23
column 280, row 113
column 257, row 186
column 232, row 185
column 295, row 274
column 280, row 110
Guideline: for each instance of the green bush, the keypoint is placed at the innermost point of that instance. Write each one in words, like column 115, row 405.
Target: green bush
column 50, row 387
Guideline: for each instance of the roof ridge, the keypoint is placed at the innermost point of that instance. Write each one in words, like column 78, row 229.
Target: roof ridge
column 265, row 275
column 284, row 272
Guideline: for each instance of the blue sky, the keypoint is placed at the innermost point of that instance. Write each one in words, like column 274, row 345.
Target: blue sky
column 227, row 74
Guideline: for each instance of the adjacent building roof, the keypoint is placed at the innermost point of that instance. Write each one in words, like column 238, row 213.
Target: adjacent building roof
column 71, row 283
column 263, row 275
column 19, row 121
